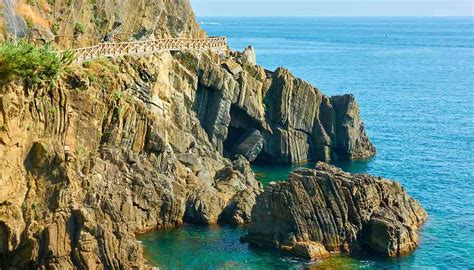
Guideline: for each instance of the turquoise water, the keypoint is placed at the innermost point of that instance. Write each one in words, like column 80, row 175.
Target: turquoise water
column 414, row 81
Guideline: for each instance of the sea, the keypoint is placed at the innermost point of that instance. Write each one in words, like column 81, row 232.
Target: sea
column 414, row 81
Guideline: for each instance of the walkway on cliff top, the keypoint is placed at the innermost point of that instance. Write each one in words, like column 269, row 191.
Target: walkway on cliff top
column 143, row 48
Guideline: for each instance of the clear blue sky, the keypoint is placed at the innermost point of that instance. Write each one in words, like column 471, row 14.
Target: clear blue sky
column 333, row 7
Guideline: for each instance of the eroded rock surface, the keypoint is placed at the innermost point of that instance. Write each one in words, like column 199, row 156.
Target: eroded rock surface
column 94, row 160
column 298, row 123
column 249, row 145
column 86, row 23
column 134, row 144
column 325, row 210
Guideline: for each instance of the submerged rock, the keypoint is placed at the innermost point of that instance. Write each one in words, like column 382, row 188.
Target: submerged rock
column 325, row 210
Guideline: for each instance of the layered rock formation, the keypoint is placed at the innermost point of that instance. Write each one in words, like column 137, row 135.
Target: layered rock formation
column 83, row 23
column 297, row 121
column 324, row 210
column 114, row 149
column 234, row 95
column 129, row 145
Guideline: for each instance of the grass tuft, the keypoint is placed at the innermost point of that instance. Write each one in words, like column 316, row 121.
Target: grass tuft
column 32, row 64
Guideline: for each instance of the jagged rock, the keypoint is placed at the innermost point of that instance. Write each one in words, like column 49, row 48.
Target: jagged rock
column 249, row 145
column 229, row 199
column 351, row 140
column 154, row 142
column 135, row 144
column 325, row 209
column 239, row 207
column 204, row 206
column 249, row 57
column 234, row 68
column 297, row 121
column 239, row 210
column 39, row 156
column 386, row 235
column 102, row 168
column 213, row 100
column 191, row 160
column 160, row 18
column 307, row 126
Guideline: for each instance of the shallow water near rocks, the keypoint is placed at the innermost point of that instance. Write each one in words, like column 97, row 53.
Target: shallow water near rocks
column 414, row 81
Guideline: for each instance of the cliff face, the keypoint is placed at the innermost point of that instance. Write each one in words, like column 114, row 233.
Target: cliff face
column 129, row 145
column 79, row 23
column 326, row 210
column 291, row 121
column 113, row 150
column 296, row 122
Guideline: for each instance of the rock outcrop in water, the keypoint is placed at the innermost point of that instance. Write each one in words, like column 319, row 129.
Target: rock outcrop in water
column 130, row 145
column 324, row 210
column 297, row 122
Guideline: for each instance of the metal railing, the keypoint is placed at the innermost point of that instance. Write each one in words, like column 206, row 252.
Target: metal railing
column 148, row 47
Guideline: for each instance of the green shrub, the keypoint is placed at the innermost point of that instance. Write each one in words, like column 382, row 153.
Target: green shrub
column 34, row 65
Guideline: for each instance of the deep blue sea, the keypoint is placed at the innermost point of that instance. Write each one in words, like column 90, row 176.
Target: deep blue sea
column 414, row 81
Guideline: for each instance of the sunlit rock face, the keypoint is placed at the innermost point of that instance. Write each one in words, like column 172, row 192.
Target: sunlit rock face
column 297, row 122
column 113, row 149
column 128, row 145
column 324, row 210
column 85, row 23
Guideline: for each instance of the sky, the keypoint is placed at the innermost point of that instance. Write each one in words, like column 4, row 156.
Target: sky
column 333, row 7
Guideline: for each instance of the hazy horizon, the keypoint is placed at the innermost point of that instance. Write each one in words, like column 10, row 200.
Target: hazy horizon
column 325, row 8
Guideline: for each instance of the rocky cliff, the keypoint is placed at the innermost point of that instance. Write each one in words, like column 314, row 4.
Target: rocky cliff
column 289, row 120
column 324, row 210
column 123, row 146
column 76, row 23
column 114, row 149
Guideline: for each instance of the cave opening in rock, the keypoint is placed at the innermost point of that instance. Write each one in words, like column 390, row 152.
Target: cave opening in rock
column 241, row 124
column 233, row 136
column 264, row 159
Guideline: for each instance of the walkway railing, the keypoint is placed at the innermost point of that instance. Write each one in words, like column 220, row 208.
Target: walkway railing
column 148, row 47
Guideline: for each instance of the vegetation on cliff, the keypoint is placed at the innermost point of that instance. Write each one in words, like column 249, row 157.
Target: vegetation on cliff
column 33, row 64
